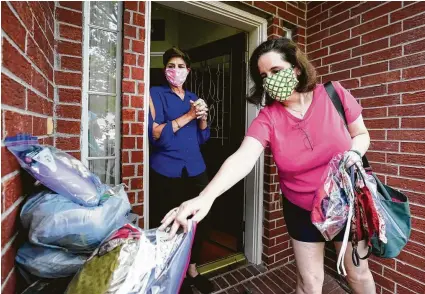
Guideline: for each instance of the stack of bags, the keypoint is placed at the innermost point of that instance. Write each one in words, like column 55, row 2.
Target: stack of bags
column 68, row 220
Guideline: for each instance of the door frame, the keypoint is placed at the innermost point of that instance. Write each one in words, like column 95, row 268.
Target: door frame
column 256, row 27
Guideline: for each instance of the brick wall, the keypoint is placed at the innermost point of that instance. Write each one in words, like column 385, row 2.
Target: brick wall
column 376, row 49
column 132, row 114
column 277, row 249
column 27, row 93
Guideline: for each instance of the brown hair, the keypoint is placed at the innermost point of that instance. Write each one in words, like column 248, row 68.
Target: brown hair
column 175, row 52
column 290, row 52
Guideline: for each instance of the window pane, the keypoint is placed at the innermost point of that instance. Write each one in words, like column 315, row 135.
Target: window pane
column 103, row 52
column 101, row 125
column 104, row 169
column 104, row 14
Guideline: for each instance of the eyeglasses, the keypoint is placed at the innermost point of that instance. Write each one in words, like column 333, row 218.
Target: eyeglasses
column 308, row 143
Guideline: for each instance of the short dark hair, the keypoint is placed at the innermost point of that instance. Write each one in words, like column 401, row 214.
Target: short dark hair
column 175, row 52
column 290, row 52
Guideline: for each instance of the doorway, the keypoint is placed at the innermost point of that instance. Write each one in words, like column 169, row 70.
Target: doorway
column 219, row 13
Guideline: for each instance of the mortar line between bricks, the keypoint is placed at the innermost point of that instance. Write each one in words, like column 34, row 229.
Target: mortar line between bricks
column 6, row 213
column 69, row 24
column 9, row 244
column 67, row 8
column 58, row 38
column 9, row 176
column 7, row 278
column 23, row 111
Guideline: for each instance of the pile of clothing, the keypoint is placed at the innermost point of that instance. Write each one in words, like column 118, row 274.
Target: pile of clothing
column 79, row 228
column 349, row 200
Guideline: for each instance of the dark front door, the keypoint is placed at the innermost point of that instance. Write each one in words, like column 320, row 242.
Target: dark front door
column 218, row 76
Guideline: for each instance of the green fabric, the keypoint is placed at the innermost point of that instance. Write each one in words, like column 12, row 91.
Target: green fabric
column 400, row 213
column 281, row 85
column 95, row 276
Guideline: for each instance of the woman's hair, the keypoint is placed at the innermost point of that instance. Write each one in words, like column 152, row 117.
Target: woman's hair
column 291, row 53
column 175, row 52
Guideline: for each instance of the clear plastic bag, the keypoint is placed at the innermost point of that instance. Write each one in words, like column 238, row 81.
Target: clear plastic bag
column 57, row 170
column 331, row 205
column 131, row 260
column 48, row 262
column 56, row 221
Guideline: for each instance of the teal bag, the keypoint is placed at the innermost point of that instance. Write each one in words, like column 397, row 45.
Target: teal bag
column 394, row 204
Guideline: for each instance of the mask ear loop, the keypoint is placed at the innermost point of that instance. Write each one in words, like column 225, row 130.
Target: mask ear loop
column 263, row 98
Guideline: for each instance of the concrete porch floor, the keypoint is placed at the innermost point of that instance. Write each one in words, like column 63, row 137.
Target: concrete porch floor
column 257, row 279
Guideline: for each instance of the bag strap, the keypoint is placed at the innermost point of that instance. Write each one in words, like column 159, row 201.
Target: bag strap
column 336, row 101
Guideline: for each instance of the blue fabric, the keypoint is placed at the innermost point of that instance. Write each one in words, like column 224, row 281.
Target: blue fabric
column 173, row 152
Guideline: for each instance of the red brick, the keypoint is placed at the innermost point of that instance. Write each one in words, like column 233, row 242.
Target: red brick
column 406, row 135
column 140, row 170
column 138, row 19
column 318, row 36
column 38, row 81
column 381, row 101
column 69, row 32
column 365, row 7
column 286, row 16
column 376, row 156
column 318, row 18
column 140, row 116
column 418, row 97
column 24, row 13
column 137, row 156
column 384, row 146
column 128, row 142
column 318, row 54
column 350, row 84
column 312, row 29
column 369, row 92
column 39, row 104
column 69, row 111
column 384, row 282
column 345, row 64
column 68, row 79
column 11, row 191
column 382, row 33
column 128, row 86
column 385, row 123
column 404, row 280
column 407, row 61
column 407, row 159
column 411, row 172
column 69, row 95
column 322, row 70
column 414, row 72
column 414, row 47
column 15, row 62
column 69, row 16
column 345, row 45
column 138, row 46
column 140, row 87
column 69, row 48
column 335, row 76
column 12, row 92
column 410, row 10
column 370, row 69
column 12, row 27
column 417, row 223
column 385, row 169
column 139, row 141
column 71, row 63
column 68, row 127
column 385, row 77
column 38, row 13
column 381, row 10
column 382, row 55
column 314, row 8
column 265, row 6
column 126, row 72
column 414, row 22
column 17, row 123
column 335, row 20
column 131, row 5
column 128, row 171
column 413, row 123
column 8, row 162
column 128, row 114
column 10, row 285
column 76, row 5
column 294, row 10
column 337, row 57
column 137, row 101
column 130, row 31
column 413, row 147
column 374, row 112
column 408, row 86
column 141, row 60
column 41, row 40
column 137, row 73
column 407, row 110
column 36, row 55
column 39, row 126
column 407, row 36
column 125, row 129
column 377, row 45
column 129, row 59
column 71, row 143
column 9, row 226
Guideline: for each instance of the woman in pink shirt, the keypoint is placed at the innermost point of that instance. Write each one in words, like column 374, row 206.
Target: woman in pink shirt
column 304, row 131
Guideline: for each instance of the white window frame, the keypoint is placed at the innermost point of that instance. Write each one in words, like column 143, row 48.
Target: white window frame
column 86, row 91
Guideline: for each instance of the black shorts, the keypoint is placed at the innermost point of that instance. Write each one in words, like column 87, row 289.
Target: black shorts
column 299, row 224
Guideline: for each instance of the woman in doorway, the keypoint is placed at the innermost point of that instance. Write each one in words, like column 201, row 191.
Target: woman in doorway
column 177, row 127
column 304, row 131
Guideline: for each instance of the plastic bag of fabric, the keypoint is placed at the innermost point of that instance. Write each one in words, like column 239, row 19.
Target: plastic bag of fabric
column 57, row 222
column 131, row 260
column 331, row 204
column 48, row 262
column 57, row 170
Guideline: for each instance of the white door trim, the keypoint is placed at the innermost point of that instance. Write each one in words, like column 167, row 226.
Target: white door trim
column 257, row 29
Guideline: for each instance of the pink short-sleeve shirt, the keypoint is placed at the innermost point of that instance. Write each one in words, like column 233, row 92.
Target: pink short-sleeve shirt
column 302, row 148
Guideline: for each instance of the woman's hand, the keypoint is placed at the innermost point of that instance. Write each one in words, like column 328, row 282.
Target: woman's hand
column 352, row 158
column 201, row 108
column 198, row 207
column 193, row 110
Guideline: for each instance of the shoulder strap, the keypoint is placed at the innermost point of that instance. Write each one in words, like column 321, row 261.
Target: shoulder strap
column 330, row 89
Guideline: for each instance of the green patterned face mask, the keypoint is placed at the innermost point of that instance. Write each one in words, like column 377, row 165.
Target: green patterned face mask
column 281, row 85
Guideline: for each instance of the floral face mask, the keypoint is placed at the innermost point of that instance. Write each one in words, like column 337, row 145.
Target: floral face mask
column 176, row 76
column 281, row 85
